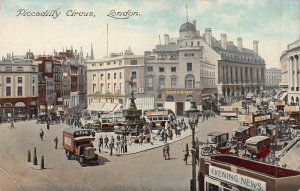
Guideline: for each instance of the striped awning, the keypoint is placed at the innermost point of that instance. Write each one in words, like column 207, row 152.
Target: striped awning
column 96, row 106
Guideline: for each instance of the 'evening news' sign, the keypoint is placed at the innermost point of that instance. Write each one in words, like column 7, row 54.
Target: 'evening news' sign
column 237, row 179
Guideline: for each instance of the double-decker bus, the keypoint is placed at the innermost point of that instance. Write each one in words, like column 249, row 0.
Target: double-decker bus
column 159, row 117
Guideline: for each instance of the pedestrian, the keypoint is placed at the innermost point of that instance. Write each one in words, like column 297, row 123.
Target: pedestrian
column 93, row 133
column 141, row 139
column 186, row 155
column 106, row 141
column 56, row 141
column 118, row 137
column 122, row 144
column 48, row 126
column 203, row 117
column 111, row 147
column 41, row 134
column 12, row 125
column 100, row 144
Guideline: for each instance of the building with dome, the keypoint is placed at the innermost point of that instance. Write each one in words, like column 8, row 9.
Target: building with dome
column 201, row 67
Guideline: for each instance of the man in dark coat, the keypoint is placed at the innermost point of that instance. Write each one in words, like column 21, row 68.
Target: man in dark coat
column 56, row 141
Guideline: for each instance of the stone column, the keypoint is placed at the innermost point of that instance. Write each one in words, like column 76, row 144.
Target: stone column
column 233, row 75
column 295, row 72
column 225, row 75
column 290, row 73
column 229, row 74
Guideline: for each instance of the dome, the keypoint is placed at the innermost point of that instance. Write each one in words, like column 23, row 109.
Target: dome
column 187, row 27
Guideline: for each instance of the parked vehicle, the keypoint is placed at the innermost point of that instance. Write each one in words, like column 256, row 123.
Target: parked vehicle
column 79, row 145
column 109, row 120
column 258, row 146
column 241, row 134
column 216, row 142
column 230, row 112
column 42, row 118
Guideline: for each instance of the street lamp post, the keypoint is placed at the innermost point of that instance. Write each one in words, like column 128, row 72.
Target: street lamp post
column 193, row 114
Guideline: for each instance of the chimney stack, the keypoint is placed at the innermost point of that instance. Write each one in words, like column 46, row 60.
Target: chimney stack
column 240, row 44
column 255, row 46
column 166, row 39
column 224, row 41
column 208, row 36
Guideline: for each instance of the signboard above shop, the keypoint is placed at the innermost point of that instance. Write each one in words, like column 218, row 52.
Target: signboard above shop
column 260, row 118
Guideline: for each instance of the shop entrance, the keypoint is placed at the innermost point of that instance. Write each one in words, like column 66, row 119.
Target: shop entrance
column 179, row 108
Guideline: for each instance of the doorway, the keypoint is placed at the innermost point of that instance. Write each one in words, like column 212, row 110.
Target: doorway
column 179, row 108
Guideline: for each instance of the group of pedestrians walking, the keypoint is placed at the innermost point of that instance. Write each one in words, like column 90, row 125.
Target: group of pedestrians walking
column 208, row 114
column 118, row 144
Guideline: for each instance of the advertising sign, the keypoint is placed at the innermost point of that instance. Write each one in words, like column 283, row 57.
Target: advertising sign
column 237, row 179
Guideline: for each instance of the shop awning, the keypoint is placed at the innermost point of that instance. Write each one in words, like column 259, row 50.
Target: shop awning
column 96, row 106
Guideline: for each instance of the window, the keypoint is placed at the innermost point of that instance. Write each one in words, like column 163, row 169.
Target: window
column 94, row 77
column 108, row 76
column 8, row 91
column 173, row 69
column 19, row 80
column 150, row 83
column 120, row 63
column 33, row 90
column 161, row 82
column 115, row 85
column 150, row 68
column 108, row 87
column 170, row 98
column 33, row 69
column 115, row 75
column 133, row 62
column 20, row 69
column 120, row 75
column 8, row 80
column 101, row 77
column 94, row 88
column 133, row 74
column 189, row 81
column 173, row 82
column 120, row 87
column 19, row 90
column 189, row 67
column 192, row 43
column 198, row 43
column 8, row 69
column 161, row 69
column 108, row 63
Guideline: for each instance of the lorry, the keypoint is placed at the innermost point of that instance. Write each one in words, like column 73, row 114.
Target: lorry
column 230, row 112
column 78, row 144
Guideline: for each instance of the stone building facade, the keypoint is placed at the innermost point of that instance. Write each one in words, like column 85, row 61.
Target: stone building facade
column 273, row 79
column 290, row 70
column 194, row 65
column 18, row 86
column 107, row 81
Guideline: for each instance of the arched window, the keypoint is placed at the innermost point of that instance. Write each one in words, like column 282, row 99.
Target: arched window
column 189, row 81
column 189, row 98
column 8, row 105
column 20, row 104
column 170, row 98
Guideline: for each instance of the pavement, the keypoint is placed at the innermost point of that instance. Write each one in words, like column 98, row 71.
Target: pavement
column 133, row 148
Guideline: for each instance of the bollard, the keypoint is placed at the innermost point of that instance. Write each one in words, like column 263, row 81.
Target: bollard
column 29, row 156
column 34, row 157
column 42, row 163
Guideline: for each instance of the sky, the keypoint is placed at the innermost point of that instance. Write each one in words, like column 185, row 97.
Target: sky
column 274, row 23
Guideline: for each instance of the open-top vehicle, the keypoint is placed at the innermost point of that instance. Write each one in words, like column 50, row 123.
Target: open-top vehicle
column 216, row 142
